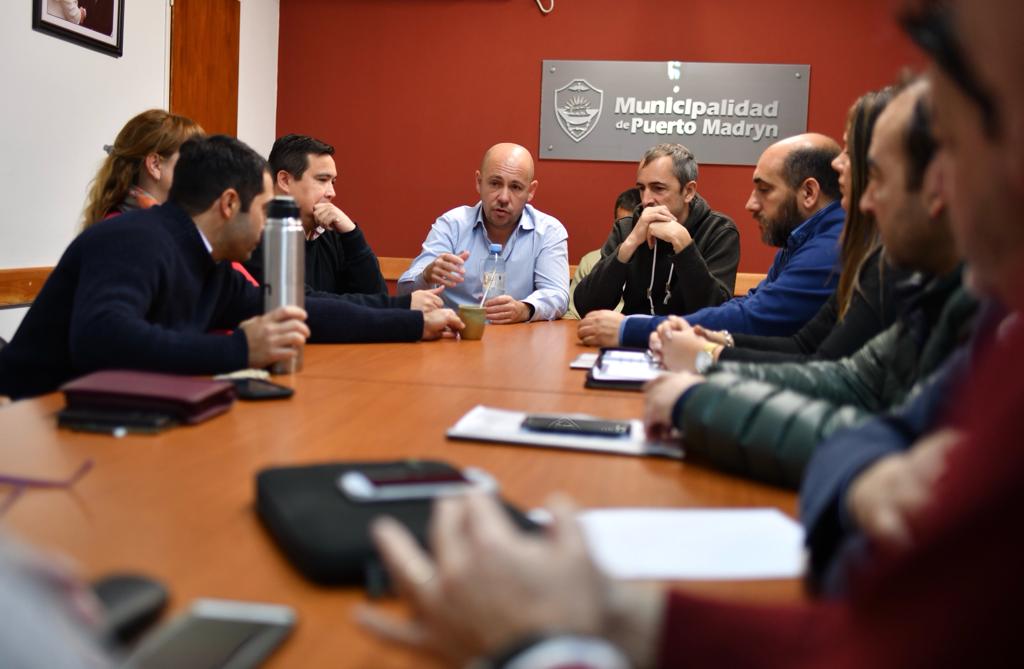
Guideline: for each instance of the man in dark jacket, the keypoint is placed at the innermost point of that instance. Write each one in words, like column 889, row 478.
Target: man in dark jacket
column 339, row 261
column 674, row 255
column 145, row 290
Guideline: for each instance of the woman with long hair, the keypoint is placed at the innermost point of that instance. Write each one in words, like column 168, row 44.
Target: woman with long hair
column 139, row 167
column 860, row 234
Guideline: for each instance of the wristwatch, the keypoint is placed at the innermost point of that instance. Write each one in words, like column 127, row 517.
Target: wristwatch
column 554, row 651
column 705, row 358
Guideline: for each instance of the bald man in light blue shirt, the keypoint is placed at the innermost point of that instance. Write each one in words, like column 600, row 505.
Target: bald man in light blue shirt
column 534, row 246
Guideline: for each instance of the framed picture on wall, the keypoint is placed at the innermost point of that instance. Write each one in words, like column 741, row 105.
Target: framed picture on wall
column 95, row 24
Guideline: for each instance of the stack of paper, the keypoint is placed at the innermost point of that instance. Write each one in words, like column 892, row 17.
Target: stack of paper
column 488, row 424
column 697, row 544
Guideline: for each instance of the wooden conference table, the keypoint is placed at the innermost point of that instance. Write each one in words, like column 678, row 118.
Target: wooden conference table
column 179, row 505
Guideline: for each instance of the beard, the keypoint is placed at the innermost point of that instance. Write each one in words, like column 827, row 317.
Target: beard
column 775, row 231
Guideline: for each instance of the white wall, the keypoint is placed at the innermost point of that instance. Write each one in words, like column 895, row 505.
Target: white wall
column 63, row 102
column 257, row 73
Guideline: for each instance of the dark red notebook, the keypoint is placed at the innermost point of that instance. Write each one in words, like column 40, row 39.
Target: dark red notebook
column 186, row 399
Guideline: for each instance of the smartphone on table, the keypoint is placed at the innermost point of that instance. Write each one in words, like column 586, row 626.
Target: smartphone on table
column 215, row 634
column 595, row 427
column 260, row 389
column 413, row 480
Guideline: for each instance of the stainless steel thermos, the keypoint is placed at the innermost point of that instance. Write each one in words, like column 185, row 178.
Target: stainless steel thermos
column 284, row 265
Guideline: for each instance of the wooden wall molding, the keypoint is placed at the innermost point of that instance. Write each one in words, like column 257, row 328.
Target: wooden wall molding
column 393, row 268
column 745, row 281
column 20, row 285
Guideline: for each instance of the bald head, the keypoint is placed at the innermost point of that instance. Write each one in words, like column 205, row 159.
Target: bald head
column 808, row 141
column 505, row 183
column 508, row 155
column 807, row 156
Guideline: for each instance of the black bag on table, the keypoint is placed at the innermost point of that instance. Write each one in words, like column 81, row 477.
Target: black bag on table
column 325, row 533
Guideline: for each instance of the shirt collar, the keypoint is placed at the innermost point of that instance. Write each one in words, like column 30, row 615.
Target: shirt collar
column 809, row 227
column 526, row 221
column 206, row 242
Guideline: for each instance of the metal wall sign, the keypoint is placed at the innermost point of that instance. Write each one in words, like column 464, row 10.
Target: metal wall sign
column 726, row 113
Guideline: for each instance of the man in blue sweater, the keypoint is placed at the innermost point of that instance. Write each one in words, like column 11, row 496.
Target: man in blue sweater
column 146, row 289
column 795, row 202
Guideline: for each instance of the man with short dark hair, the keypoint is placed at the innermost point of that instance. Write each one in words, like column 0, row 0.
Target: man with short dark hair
column 795, row 202
column 625, row 203
column 674, row 256
column 144, row 290
column 339, row 261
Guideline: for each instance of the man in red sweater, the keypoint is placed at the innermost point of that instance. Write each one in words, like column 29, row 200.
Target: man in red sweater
column 944, row 589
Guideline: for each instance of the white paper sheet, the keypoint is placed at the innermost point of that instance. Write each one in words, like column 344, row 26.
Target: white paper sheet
column 695, row 544
column 489, row 424
column 583, row 361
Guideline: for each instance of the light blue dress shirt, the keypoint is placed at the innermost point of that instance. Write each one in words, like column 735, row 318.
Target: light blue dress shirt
column 536, row 260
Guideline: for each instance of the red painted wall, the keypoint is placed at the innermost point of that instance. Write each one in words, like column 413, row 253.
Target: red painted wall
column 411, row 92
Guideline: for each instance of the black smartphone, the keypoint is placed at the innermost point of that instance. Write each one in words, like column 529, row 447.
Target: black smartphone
column 258, row 389
column 114, row 421
column 569, row 425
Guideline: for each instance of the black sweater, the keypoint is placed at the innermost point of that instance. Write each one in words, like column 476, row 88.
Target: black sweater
column 883, row 293
column 140, row 291
column 703, row 274
column 340, row 266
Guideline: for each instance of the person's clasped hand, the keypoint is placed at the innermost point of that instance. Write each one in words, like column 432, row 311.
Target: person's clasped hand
column 679, row 354
column 664, row 332
column 664, row 226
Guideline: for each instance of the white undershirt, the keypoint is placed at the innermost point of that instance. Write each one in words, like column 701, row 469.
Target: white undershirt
column 206, row 242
